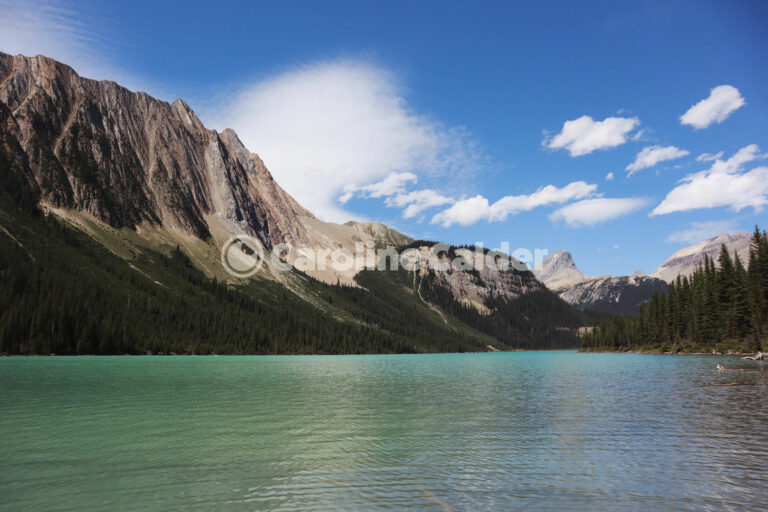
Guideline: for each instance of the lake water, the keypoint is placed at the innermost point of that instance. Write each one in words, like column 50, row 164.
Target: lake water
column 502, row 431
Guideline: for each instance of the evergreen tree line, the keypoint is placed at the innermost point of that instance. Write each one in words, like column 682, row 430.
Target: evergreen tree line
column 720, row 307
column 538, row 319
column 62, row 292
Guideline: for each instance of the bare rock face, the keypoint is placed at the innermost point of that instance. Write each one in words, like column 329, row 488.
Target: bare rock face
column 607, row 294
column 125, row 157
column 473, row 276
column 615, row 295
column 558, row 271
column 379, row 233
column 685, row 261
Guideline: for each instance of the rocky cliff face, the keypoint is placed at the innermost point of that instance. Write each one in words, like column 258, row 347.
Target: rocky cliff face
column 485, row 277
column 125, row 157
column 685, row 261
column 615, row 295
column 558, row 271
column 607, row 294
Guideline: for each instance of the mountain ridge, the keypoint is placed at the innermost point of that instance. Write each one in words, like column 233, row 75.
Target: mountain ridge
column 146, row 180
column 686, row 260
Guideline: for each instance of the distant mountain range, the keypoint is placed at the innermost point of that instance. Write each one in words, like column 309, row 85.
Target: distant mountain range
column 624, row 294
column 686, row 260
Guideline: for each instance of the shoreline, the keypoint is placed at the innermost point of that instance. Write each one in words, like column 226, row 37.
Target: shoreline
column 653, row 353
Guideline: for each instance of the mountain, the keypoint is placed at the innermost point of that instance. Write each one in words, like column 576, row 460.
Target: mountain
column 624, row 294
column 685, row 261
column 614, row 294
column 721, row 308
column 115, row 206
column 605, row 294
column 126, row 158
column 558, row 271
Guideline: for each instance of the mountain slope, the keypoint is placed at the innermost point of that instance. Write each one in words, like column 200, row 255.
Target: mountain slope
column 126, row 157
column 614, row 294
column 685, row 261
column 604, row 294
column 115, row 206
column 558, row 271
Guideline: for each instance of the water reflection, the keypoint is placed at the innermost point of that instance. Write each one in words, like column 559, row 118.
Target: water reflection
column 551, row 430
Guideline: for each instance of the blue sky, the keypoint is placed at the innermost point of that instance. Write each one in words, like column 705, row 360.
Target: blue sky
column 460, row 105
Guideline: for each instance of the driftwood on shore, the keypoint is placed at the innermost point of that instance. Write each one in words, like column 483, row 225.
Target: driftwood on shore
column 757, row 357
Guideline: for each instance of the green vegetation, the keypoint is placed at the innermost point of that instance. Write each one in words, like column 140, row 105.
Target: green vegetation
column 720, row 307
column 536, row 320
column 63, row 292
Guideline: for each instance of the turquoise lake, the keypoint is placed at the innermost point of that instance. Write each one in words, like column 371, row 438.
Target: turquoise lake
column 501, row 431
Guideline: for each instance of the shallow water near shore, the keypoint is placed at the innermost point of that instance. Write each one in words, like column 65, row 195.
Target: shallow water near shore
column 501, row 431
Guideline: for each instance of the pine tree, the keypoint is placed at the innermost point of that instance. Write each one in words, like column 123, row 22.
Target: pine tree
column 721, row 303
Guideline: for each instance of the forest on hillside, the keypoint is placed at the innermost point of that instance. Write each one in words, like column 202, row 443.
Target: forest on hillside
column 722, row 306
column 62, row 292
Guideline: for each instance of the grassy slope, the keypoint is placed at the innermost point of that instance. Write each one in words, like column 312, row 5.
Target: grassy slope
column 65, row 292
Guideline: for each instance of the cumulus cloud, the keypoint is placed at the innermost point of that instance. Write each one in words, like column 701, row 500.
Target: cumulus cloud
column 393, row 184
column 708, row 157
column 332, row 127
column 473, row 209
column 699, row 231
column 594, row 211
column 722, row 101
column 418, row 201
column 609, row 176
column 652, row 155
column 726, row 183
column 585, row 135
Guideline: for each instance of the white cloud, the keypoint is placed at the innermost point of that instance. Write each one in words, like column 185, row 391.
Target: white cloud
column 67, row 32
column 699, row 231
column 724, row 184
column 594, row 211
column 340, row 124
column 585, row 135
column 393, row 184
column 652, row 155
column 609, row 176
column 471, row 210
column 708, row 157
column 417, row 201
column 722, row 101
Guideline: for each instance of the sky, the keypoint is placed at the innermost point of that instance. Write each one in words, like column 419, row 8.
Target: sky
column 619, row 131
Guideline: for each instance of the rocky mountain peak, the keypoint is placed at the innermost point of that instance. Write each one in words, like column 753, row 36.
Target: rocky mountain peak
column 127, row 158
column 558, row 271
column 685, row 261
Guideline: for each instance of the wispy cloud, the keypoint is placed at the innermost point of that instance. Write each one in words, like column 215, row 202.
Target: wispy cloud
column 726, row 183
column 334, row 127
column 67, row 32
column 722, row 101
column 393, row 184
column 595, row 211
column 474, row 209
column 609, row 176
column 652, row 155
column 418, row 201
column 700, row 231
column 709, row 157
column 585, row 135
